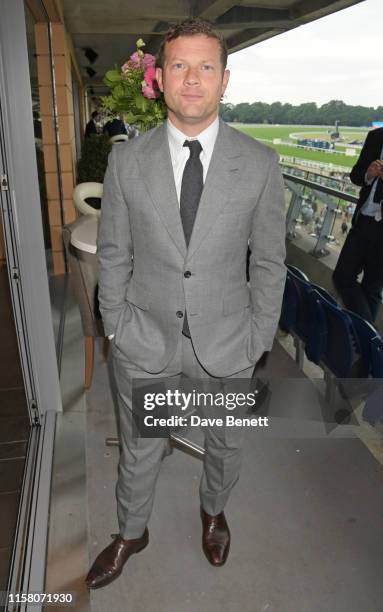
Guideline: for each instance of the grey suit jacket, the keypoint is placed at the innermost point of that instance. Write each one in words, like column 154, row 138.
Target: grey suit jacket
column 143, row 256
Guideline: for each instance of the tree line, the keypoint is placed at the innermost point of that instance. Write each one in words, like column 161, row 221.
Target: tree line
column 307, row 113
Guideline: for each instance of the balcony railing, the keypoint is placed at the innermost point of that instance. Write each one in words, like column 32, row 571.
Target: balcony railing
column 319, row 209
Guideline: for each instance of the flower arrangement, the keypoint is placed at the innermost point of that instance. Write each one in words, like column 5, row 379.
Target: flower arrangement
column 134, row 91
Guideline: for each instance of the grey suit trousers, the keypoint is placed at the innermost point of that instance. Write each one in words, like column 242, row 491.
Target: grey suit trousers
column 140, row 458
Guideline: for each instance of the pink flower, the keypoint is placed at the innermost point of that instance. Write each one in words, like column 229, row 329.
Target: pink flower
column 150, row 75
column 136, row 61
column 150, row 85
column 149, row 60
column 149, row 92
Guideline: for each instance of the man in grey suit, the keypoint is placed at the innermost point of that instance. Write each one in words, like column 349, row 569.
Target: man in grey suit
column 181, row 205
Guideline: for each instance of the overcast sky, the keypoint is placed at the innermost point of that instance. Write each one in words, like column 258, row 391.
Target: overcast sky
column 339, row 57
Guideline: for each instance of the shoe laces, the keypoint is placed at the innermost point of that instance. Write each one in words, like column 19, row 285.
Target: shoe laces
column 213, row 524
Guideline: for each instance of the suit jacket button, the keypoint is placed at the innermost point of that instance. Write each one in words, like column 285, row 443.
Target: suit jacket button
column 179, row 314
column 187, row 274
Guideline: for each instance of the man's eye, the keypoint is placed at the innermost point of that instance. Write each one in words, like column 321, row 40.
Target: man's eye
column 178, row 66
column 207, row 67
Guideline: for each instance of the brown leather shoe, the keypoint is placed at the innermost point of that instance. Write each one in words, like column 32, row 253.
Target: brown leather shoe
column 215, row 538
column 109, row 563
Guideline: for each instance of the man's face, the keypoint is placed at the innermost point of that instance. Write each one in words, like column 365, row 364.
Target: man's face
column 193, row 81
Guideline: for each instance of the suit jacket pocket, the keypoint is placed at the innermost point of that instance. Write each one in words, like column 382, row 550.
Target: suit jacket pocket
column 236, row 301
column 137, row 295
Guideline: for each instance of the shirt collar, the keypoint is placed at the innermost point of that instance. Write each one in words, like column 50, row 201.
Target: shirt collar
column 207, row 137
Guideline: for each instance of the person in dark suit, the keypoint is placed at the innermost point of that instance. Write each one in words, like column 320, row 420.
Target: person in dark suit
column 91, row 127
column 114, row 127
column 363, row 248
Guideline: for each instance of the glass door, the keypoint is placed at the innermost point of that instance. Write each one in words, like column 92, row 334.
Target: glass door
column 29, row 383
column 15, row 420
column 48, row 160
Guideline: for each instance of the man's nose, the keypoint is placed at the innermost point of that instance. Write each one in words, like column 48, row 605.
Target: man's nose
column 192, row 76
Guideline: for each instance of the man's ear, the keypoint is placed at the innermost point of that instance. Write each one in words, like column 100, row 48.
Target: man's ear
column 225, row 80
column 159, row 79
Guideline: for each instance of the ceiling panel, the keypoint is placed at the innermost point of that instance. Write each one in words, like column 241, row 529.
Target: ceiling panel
column 111, row 28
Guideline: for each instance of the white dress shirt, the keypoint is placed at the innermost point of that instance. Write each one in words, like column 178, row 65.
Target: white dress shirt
column 180, row 154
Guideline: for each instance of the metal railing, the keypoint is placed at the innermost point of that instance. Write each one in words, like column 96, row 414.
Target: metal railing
column 335, row 179
column 322, row 211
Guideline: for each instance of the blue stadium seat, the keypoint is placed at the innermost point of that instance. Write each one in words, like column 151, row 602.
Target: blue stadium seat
column 324, row 293
column 339, row 353
column 297, row 272
column 377, row 357
column 310, row 324
column 289, row 305
column 364, row 332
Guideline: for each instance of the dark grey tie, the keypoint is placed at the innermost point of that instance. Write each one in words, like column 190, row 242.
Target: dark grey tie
column 191, row 187
column 191, row 190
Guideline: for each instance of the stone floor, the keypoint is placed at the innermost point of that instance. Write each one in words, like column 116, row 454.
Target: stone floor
column 305, row 516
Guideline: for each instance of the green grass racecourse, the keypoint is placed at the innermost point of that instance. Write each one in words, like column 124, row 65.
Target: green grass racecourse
column 269, row 132
column 347, row 135
column 338, row 159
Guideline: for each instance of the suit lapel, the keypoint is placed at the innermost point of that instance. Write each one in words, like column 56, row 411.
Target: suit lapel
column 223, row 174
column 157, row 171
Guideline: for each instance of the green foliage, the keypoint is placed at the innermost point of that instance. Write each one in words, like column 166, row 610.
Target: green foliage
column 112, row 76
column 94, row 159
